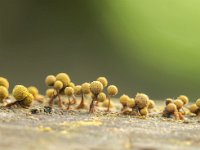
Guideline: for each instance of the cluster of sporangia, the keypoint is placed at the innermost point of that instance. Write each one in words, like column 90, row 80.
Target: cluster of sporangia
column 141, row 105
column 23, row 95
column 62, row 86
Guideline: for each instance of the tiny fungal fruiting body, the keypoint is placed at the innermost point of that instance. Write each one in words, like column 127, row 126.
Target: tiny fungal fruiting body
column 175, row 107
column 124, row 100
column 112, row 91
column 83, row 90
column 72, row 85
column 59, row 83
column 4, row 82
column 69, row 91
column 140, row 105
column 132, row 105
column 96, row 88
column 78, row 92
column 35, row 92
column 195, row 108
column 4, row 86
column 3, row 93
column 103, row 81
column 184, row 99
column 101, row 97
column 22, row 97
column 151, row 105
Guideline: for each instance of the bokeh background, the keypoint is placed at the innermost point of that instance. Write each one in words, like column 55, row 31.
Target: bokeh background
column 141, row 46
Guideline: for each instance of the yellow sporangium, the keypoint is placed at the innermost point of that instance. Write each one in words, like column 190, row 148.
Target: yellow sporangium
column 58, row 85
column 194, row 108
column 171, row 108
column 101, row 97
column 103, row 81
column 50, row 93
column 85, row 87
column 34, row 91
column 151, row 104
column 27, row 101
column 3, row 93
column 168, row 100
column 64, row 78
column 50, row 80
column 141, row 100
column 96, row 87
column 112, row 91
column 69, row 91
column 144, row 111
column 77, row 90
column 20, row 92
column 131, row 103
column 178, row 103
column 184, row 99
column 106, row 103
column 198, row 103
column 124, row 99
column 4, row 82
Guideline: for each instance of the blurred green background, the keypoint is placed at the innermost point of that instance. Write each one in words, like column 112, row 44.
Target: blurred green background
column 139, row 45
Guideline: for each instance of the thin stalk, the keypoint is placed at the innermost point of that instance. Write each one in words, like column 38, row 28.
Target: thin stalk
column 59, row 100
column 74, row 99
column 108, row 108
column 51, row 100
column 69, row 103
column 92, row 108
column 82, row 104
